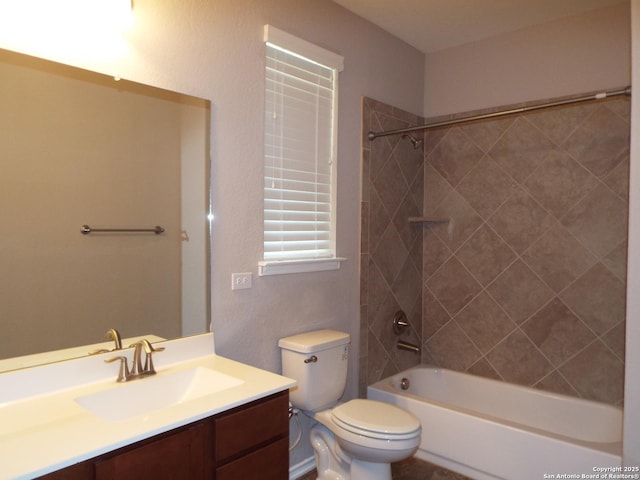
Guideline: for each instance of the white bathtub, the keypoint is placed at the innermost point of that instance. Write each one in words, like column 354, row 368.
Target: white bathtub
column 487, row 429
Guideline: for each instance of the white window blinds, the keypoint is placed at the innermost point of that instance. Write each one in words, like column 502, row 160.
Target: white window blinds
column 300, row 131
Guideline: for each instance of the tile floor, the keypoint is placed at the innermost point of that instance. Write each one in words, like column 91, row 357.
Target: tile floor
column 411, row 469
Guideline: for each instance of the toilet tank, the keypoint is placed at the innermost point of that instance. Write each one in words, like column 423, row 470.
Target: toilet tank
column 318, row 361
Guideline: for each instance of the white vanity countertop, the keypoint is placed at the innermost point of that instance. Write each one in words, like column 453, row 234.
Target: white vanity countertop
column 43, row 428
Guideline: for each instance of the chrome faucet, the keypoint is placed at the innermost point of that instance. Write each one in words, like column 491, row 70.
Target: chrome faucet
column 137, row 368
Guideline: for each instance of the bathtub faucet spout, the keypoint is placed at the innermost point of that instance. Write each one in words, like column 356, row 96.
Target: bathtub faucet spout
column 402, row 345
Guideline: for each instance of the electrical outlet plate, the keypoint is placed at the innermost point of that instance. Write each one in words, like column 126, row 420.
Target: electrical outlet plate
column 241, row 281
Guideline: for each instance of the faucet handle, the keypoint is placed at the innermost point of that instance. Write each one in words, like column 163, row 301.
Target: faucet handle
column 148, row 347
column 148, row 361
column 136, row 362
column 123, row 373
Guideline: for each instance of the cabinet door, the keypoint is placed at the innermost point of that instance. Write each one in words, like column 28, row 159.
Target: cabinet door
column 176, row 456
column 268, row 463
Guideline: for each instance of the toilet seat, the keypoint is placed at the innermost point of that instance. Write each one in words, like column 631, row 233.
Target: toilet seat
column 375, row 419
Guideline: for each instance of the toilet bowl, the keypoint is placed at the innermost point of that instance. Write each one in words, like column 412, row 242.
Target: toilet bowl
column 381, row 432
column 359, row 439
column 355, row 440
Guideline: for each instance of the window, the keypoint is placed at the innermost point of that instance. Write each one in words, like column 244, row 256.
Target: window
column 301, row 82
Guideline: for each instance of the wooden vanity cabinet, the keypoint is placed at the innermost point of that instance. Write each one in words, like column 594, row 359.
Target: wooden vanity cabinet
column 245, row 443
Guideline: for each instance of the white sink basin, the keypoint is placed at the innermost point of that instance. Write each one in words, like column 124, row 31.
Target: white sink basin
column 146, row 395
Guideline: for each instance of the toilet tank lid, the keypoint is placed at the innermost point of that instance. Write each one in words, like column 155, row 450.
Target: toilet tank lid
column 314, row 341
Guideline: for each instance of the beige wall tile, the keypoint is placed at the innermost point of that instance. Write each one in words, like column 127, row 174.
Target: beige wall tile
column 453, row 286
column 559, row 183
column 484, row 322
column 435, row 253
column 599, row 221
column 517, row 360
column 596, row 374
column 520, row 221
column 454, row 156
column 558, row 258
column 486, row 134
column 598, row 297
column 521, row 149
column 462, row 220
column 434, row 316
column 519, row 292
column 485, row 255
column 601, row 141
column 451, row 348
column 557, row 332
column 486, row 187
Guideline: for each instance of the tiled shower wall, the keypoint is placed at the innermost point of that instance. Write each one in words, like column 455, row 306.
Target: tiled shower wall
column 391, row 248
column 525, row 282
column 524, row 279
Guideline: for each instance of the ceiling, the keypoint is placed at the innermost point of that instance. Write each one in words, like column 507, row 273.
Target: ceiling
column 432, row 25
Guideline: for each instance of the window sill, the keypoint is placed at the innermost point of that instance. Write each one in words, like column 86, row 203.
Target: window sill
column 282, row 267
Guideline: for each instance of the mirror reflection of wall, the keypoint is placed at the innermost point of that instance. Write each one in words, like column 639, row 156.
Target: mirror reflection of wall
column 81, row 148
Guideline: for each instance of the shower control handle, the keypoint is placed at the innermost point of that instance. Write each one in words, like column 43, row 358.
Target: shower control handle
column 400, row 322
column 311, row 359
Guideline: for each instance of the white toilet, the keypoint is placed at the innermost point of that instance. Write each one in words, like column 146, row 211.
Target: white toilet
column 354, row 440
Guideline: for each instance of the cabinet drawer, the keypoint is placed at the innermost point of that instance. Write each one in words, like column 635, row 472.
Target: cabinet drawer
column 251, row 426
column 268, row 463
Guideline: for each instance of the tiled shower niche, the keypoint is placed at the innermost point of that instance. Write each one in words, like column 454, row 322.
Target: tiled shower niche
column 525, row 279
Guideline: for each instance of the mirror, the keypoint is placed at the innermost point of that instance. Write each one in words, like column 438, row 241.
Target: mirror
column 79, row 148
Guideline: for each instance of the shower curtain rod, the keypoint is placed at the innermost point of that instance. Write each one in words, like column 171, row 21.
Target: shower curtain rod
column 598, row 96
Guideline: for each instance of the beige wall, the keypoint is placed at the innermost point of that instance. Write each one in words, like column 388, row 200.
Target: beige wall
column 214, row 50
column 565, row 57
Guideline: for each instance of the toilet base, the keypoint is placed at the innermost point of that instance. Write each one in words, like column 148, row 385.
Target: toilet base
column 368, row 470
column 333, row 464
column 330, row 464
